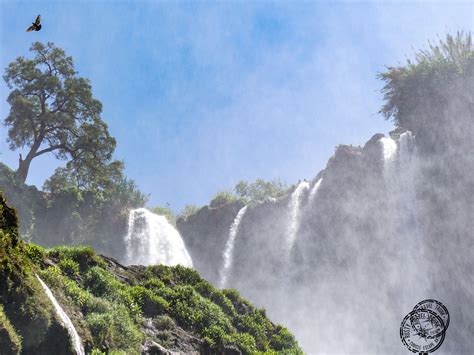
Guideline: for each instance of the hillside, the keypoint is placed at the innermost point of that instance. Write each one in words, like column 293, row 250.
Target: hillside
column 136, row 309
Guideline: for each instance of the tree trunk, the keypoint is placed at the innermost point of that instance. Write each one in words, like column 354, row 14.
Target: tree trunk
column 24, row 164
column 23, row 168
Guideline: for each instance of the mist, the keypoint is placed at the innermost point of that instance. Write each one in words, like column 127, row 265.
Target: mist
column 341, row 260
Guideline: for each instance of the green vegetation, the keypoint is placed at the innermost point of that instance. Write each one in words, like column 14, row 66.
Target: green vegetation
column 9, row 339
column 222, row 198
column 189, row 210
column 164, row 211
column 26, row 315
column 175, row 296
column 109, row 304
column 52, row 111
column 420, row 95
column 251, row 193
column 260, row 190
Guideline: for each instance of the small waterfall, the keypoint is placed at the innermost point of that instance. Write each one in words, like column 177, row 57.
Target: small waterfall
column 76, row 340
column 315, row 189
column 229, row 247
column 151, row 239
column 294, row 206
column 389, row 148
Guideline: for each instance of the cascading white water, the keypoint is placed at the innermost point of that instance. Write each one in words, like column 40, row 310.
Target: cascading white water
column 151, row 239
column 389, row 147
column 295, row 215
column 315, row 189
column 65, row 320
column 229, row 247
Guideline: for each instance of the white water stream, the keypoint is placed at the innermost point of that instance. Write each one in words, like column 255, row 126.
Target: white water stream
column 295, row 215
column 65, row 320
column 229, row 247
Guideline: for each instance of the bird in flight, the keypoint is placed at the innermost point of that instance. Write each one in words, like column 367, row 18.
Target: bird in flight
column 36, row 26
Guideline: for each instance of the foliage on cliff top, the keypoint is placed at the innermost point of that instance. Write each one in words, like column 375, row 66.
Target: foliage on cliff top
column 69, row 214
column 251, row 193
column 418, row 95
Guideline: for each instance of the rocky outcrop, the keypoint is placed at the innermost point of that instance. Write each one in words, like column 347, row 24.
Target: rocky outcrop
column 390, row 225
column 205, row 234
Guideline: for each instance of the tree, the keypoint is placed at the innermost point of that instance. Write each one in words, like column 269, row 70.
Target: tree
column 260, row 190
column 433, row 96
column 52, row 110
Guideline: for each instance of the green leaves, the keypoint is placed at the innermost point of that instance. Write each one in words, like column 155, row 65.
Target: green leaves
column 52, row 110
column 418, row 95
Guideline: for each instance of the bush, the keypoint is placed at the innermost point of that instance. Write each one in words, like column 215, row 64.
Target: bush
column 177, row 275
column 419, row 96
column 222, row 198
column 188, row 211
column 150, row 303
column 260, row 190
column 282, row 339
column 245, row 342
column 69, row 267
column 164, row 211
column 102, row 284
column 164, row 322
column 85, row 256
column 115, row 330
column 35, row 253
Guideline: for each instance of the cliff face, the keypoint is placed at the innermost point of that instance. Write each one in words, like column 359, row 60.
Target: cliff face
column 206, row 234
column 390, row 224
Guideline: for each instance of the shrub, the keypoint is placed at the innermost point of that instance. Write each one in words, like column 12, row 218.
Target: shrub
column 115, row 330
column 150, row 303
column 35, row 253
column 282, row 339
column 102, row 284
column 69, row 267
column 85, row 256
column 177, row 275
column 188, row 211
column 419, row 95
column 164, row 322
column 222, row 198
column 260, row 190
column 245, row 342
column 164, row 211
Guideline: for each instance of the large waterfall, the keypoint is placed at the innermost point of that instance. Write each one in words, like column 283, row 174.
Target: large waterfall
column 229, row 248
column 76, row 340
column 295, row 215
column 151, row 239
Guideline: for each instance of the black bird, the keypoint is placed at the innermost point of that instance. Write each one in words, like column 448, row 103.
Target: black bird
column 36, row 26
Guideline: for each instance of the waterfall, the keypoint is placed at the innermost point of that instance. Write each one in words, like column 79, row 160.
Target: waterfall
column 294, row 206
column 389, row 147
column 229, row 247
column 151, row 239
column 76, row 340
column 315, row 189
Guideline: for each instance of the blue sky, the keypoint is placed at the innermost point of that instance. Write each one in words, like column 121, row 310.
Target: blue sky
column 203, row 94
